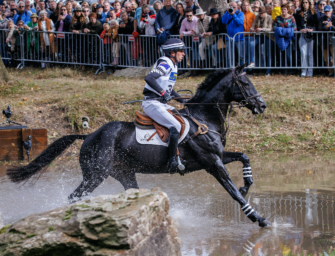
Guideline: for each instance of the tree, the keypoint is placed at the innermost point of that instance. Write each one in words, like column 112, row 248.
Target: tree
column 4, row 75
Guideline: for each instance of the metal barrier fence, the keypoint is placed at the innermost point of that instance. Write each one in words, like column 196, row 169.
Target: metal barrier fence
column 205, row 53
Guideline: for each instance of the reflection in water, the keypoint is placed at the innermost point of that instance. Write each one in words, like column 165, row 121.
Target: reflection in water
column 294, row 192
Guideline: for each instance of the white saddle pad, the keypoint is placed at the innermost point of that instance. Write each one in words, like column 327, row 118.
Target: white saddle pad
column 142, row 136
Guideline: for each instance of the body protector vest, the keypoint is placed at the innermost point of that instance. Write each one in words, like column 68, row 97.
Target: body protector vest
column 168, row 71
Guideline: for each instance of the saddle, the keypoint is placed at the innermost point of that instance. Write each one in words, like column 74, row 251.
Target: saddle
column 142, row 121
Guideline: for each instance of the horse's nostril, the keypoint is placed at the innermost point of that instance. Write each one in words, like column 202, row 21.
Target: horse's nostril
column 263, row 106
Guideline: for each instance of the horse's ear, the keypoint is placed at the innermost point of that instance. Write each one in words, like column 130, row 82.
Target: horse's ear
column 239, row 69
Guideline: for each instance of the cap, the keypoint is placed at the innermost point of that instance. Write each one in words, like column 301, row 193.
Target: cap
column 98, row 6
column 327, row 8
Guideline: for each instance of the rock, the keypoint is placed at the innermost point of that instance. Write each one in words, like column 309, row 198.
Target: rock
column 132, row 72
column 135, row 222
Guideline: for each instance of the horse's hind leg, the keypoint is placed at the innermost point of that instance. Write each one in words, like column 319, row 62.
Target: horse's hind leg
column 229, row 157
column 220, row 173
column 126, row 178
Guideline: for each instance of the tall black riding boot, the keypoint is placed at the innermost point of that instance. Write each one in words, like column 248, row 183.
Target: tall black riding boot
column 173, row 144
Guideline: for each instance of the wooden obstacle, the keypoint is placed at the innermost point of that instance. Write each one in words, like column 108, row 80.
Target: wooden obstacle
column 11, row 138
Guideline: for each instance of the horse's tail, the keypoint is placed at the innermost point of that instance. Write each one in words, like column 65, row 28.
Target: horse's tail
column 21, row 173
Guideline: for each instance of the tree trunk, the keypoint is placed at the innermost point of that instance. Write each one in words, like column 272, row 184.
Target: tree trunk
column 4, row 75
column 220, row 5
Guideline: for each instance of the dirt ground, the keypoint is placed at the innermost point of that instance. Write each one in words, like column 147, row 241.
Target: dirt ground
column 300, row 114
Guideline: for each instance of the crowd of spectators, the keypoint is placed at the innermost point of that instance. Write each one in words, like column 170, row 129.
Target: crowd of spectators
column 62, row 32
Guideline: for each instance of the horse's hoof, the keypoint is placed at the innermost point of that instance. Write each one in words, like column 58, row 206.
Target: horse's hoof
column 243, row 191
column 265, row 223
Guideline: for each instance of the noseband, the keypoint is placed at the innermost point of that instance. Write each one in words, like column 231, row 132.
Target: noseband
column 243, row 90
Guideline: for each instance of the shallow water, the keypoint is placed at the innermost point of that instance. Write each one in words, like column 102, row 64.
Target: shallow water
column 295, row 192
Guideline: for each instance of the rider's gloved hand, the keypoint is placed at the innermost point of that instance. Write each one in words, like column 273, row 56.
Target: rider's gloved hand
column 166, row 97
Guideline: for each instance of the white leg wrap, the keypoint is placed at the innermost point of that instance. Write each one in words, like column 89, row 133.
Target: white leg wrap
column 247, row 209
column 247, row 172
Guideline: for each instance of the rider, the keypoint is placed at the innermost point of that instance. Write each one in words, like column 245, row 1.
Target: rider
column 159, row 85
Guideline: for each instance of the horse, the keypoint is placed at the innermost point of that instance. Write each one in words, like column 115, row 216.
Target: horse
column 112, row 150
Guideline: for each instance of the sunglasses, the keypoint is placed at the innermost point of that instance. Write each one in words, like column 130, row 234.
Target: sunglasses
column 305, row 2
column 22, row 6
column 86, row 11
column 63, row 9
column 322, row 4
column 189, row 15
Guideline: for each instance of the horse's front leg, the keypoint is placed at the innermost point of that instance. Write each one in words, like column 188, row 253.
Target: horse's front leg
column 229, row 157
column 218, row 170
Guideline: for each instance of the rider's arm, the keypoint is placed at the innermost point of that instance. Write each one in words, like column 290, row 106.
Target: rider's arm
column 161, row 69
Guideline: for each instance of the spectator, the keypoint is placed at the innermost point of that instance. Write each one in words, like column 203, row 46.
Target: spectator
column 111, row 16
column 126, row 28
column 22, row 15
column 203, row 24
column 41, row 5
column 284, row 27
column 284, row 2
column 190, row 4
column 53, row 6
column 129, row 10
column 86, row 12
column 268, row 2
column 94, row 7
column 3, row 22
column 107, row 40
column 113, row 33
column 276, row 11
column 258, row 3
column 235, row 24
column 13, row 5
column 306, row 23
column 263, row 23
column 94, row 27
column 180, row 18
column 255, row 9
column 56, row 11
column 77, row 26
column 117, row 8
column 148, row 20
column 47, row 38
column 326, row 24
column 158, row 5
column 296, row 4
column 35, row 4
column 292, row 8
column 16, row 34
column 269, row 9
column 32, row 37
column 137, row 17
column 249, row 41
column 28, row 8
column 166, row 18
column 216, row 27
column 134, row 7
column 10, row 38
column 3, row 9
column 101, row 17
column 63, row 25
column 320, row 9
column 84, row 5
column 69, row 7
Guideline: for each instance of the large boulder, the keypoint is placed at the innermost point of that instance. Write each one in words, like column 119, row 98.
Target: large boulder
column 135, row 222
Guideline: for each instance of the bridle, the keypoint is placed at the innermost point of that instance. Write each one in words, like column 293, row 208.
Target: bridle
column 224, row 126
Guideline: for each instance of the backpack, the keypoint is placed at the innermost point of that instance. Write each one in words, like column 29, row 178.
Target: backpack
column 162, row 37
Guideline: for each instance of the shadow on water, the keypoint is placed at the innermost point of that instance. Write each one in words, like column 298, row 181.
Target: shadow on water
column 295, row 192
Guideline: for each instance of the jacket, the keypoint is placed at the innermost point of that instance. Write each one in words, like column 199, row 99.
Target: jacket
column 149, row 26
column 107, row 39
column 322, row 27
column 66, row 25
column 312, row 21
column 25, row 17
column 187, row 27
column 138, row 15
column 249, row 18
column 32, row 37
column 3, row 23
column 177, row 25
column 194, row 8
column 267, row 23
column 128, row 29
column 236, row 24
column 283, row 37
column 95, row 28
column 217, row 27
column 103, row 18
column 77, row 26
column 203, row 26
column 166, row 19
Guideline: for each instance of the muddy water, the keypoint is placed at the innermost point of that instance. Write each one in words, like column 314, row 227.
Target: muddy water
column 295, row 192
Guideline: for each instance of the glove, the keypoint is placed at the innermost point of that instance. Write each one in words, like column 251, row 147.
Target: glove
column 166, row 97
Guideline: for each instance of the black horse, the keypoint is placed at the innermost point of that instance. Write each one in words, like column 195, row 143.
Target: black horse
column 112, row 150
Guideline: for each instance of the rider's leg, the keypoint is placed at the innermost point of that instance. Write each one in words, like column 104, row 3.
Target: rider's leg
column 158, row 112
column 229, row 157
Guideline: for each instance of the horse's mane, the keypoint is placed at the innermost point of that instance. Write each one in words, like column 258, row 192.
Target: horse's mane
column 210, row 81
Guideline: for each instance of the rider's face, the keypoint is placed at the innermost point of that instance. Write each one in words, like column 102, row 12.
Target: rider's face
column 180, row 55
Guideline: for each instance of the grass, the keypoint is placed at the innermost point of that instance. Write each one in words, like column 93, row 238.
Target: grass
column 300, row 114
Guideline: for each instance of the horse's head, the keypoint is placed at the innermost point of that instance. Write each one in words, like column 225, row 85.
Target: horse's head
column 244, row 91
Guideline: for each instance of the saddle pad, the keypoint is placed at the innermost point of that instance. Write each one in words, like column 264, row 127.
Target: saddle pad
column 142, row 136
